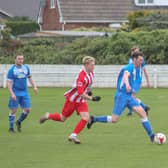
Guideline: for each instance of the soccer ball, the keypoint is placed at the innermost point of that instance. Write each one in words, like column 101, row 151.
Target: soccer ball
column 159, row 138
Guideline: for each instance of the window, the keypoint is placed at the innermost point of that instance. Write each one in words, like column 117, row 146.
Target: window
column 42, row 3
column 144, row 2
column 151, row 2
column 52, row 4
column 141, row 1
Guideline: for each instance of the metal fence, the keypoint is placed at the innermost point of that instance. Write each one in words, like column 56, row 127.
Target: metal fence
column 105, row 75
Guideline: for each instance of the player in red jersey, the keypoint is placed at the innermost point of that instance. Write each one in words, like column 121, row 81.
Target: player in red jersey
column 75, row 99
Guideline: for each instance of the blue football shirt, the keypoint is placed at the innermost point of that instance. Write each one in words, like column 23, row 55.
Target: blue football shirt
column 139, row 70
column 18, row 75
column 132, row 75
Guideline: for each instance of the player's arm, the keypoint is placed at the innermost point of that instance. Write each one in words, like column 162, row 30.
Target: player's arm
column 9, row 85
column 10, row 78
column 33, row 84
column 126, row 81
column 147, row 77
column 81, row 88
column 32, row 81
column 86, row 96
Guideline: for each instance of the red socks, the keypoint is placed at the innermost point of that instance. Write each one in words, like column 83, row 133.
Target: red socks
column 79, row 127
column 54, row 116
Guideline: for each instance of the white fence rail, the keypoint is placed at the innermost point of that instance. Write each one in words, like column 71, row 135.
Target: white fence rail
column 105, row 75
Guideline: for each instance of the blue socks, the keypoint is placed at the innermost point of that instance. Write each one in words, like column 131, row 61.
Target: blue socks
column 104, row 119
column 23, row 115
column 11, row 120
column 145, row 122
column 147, row 126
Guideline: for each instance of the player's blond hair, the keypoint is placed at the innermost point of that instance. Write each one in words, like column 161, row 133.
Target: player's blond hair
column 87, row 59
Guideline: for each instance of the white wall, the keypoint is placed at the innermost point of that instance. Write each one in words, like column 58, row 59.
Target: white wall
column 105, row 75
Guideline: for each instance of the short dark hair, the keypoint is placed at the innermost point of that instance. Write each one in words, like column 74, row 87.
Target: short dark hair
column 137, row 54
column 17, row 55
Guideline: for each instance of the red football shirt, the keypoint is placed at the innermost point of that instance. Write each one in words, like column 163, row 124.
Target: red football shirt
column 82, row 85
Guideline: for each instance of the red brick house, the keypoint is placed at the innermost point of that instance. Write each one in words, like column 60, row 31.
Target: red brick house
column 69, row 14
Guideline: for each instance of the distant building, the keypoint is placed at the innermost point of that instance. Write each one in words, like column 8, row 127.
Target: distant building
column 3, row 15
column 70, row 14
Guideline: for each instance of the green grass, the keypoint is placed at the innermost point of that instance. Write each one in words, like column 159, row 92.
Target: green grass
column 122, row 145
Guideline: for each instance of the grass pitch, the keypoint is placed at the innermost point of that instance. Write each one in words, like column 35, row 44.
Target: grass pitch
column 122, row 145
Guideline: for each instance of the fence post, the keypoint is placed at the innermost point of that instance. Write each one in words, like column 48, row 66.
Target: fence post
column 155, row 76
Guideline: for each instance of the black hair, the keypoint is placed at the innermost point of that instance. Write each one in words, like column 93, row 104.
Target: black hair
column 137, row 54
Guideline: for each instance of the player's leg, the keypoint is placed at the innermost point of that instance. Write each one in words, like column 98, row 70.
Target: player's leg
column 12, row 120
column 144, row 119
column 120, row 101
column 25, row 104
column 67, row 111
column 144, row 106
column 130, row 111
column 82, row 109
column 12, row 105
column 136, row 88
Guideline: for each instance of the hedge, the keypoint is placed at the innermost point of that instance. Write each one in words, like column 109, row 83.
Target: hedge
column 148, row 19
column 22, row 27
column 106, row 50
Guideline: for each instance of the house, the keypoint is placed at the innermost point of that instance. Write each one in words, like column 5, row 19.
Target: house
column 3, row 15
column 29, row 8
column 70, row 14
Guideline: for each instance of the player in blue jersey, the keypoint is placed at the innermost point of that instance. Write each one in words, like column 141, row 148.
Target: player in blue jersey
column 123, row 97
column 138, row 81
column 17, row 86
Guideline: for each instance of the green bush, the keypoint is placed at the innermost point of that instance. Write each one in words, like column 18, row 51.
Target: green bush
column 6, row 34
column 116, row 49
column 20, row 18
column 106, row 50
column 148, row 19
column 22, row 27
column 7, row 44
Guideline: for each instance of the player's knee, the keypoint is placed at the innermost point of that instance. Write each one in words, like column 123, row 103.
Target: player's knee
column 13, row 111
column 85, row 117
column 27, row 110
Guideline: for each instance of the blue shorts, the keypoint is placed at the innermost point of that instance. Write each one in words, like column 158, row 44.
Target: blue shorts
column 23, row 101
column 121, row 101
column 136, row 87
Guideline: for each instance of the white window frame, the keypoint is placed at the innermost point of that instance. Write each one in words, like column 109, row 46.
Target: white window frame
column 52, row 4
column 146, row 3
column 155, row 3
